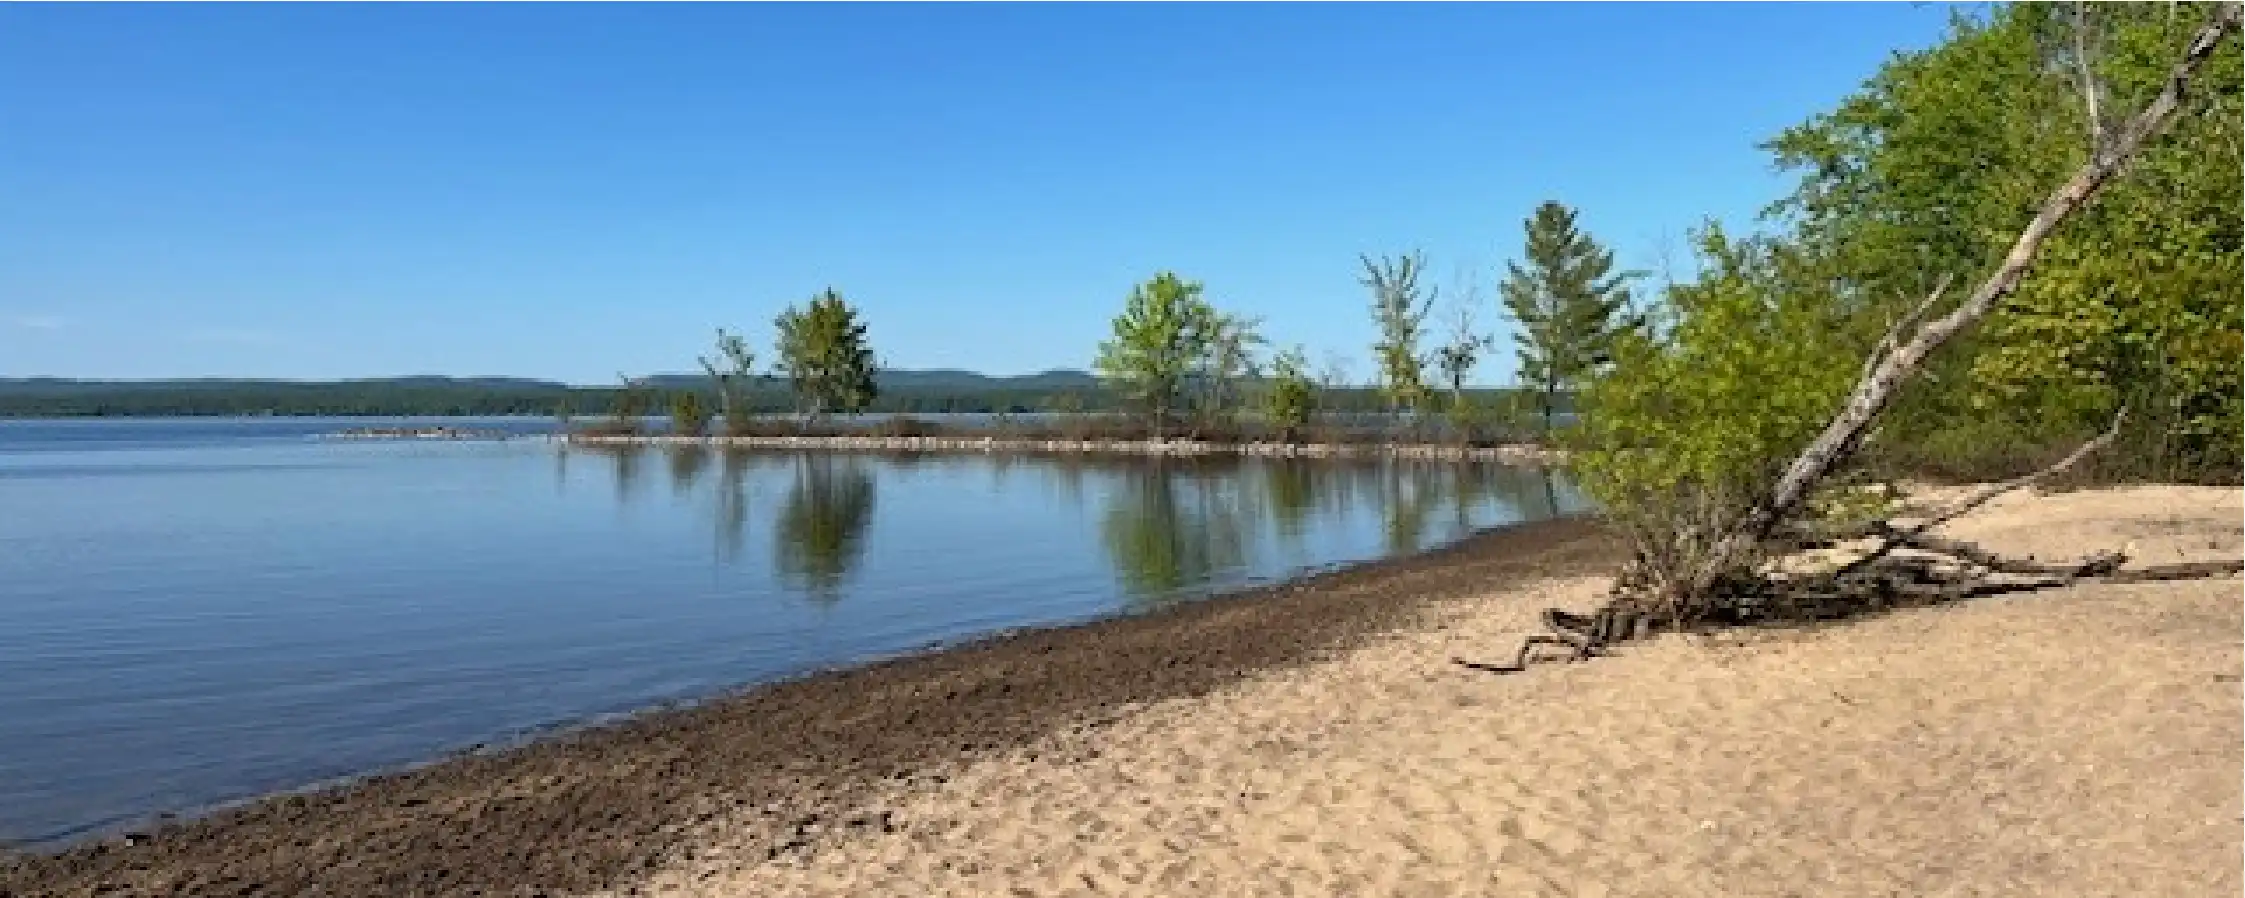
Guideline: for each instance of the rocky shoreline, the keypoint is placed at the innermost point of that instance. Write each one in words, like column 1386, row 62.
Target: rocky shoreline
column 435, row 432
column 1517, row 453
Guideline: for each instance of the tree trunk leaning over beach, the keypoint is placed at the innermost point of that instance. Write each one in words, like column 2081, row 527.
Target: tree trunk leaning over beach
column 1845, row 433
column 1712, row 570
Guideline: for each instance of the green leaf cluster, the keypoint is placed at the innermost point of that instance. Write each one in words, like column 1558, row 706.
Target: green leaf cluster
column 688, row 416
column 1743, row 367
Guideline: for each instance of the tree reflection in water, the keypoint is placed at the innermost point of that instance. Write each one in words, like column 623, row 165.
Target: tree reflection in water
column 686, row 464
column 731, row 512
column 820, row 533
column 1292, row 491
column 627, row 474
column 1169, row 527
column 1173, row 524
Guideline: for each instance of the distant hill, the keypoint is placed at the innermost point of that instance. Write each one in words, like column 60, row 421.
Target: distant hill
column 902, row 390
column 64, row 386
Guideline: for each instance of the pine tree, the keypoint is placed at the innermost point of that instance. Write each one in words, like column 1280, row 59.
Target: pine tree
column 824, row 354
column 1569, row 303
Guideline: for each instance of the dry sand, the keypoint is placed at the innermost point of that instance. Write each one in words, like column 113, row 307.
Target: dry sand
column 2083, row 741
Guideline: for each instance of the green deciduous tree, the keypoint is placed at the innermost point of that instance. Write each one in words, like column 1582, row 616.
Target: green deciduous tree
column 825, row 357
column 1399, row 307
column 1292, row 395
column 1568, row 302
column 1228, row 360
column 1162, row 334
column 1736, row 428
column 631, row 403
column 1461, row 352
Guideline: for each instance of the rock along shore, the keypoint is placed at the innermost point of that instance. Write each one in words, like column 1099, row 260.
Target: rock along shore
column 438, row 432
column 1518, row 453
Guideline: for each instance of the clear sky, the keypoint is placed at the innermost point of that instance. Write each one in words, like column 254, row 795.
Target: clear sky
column 569, row 191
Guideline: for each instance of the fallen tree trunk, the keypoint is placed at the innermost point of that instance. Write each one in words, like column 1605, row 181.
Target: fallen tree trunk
column 1713, row 574
column 1875, row 390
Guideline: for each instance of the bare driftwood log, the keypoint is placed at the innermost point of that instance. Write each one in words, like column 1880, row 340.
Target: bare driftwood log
column 1723, row 583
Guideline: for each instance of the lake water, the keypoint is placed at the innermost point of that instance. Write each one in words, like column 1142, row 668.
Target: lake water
column 198, row 611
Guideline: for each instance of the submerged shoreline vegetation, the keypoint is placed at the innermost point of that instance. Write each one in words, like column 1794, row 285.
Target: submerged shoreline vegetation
column 1329, row 436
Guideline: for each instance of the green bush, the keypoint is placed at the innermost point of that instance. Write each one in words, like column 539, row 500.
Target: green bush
column 688, row 416
column 1698, row 415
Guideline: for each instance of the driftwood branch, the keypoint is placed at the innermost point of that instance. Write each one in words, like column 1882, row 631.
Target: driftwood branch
column 1897, row 537
column 2096, row 565
column 1843, row 435
column 1893, row 582
column 1988, row 493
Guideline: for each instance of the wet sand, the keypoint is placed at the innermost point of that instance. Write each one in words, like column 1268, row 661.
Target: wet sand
column 1313, row 739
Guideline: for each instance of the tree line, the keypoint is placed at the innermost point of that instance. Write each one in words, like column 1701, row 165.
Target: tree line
column 1181, row 365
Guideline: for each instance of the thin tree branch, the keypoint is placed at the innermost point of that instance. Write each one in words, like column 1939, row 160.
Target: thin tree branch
column 2091, row 90
column 1964, row 506
column 1898, row 537
column 1906, row 324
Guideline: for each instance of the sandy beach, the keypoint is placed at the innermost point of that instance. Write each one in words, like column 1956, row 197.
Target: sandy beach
column 2081, row 742
column 1315, row 739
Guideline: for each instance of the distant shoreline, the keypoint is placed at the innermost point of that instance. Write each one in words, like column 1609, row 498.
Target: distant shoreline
column 1515, row 453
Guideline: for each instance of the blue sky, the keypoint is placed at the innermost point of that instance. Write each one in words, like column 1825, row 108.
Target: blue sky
column 569, row 191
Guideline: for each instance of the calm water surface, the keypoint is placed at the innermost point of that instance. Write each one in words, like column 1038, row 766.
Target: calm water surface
column 198, row 611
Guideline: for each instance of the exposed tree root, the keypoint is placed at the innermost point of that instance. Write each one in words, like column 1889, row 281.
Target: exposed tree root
column 1952, row 570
